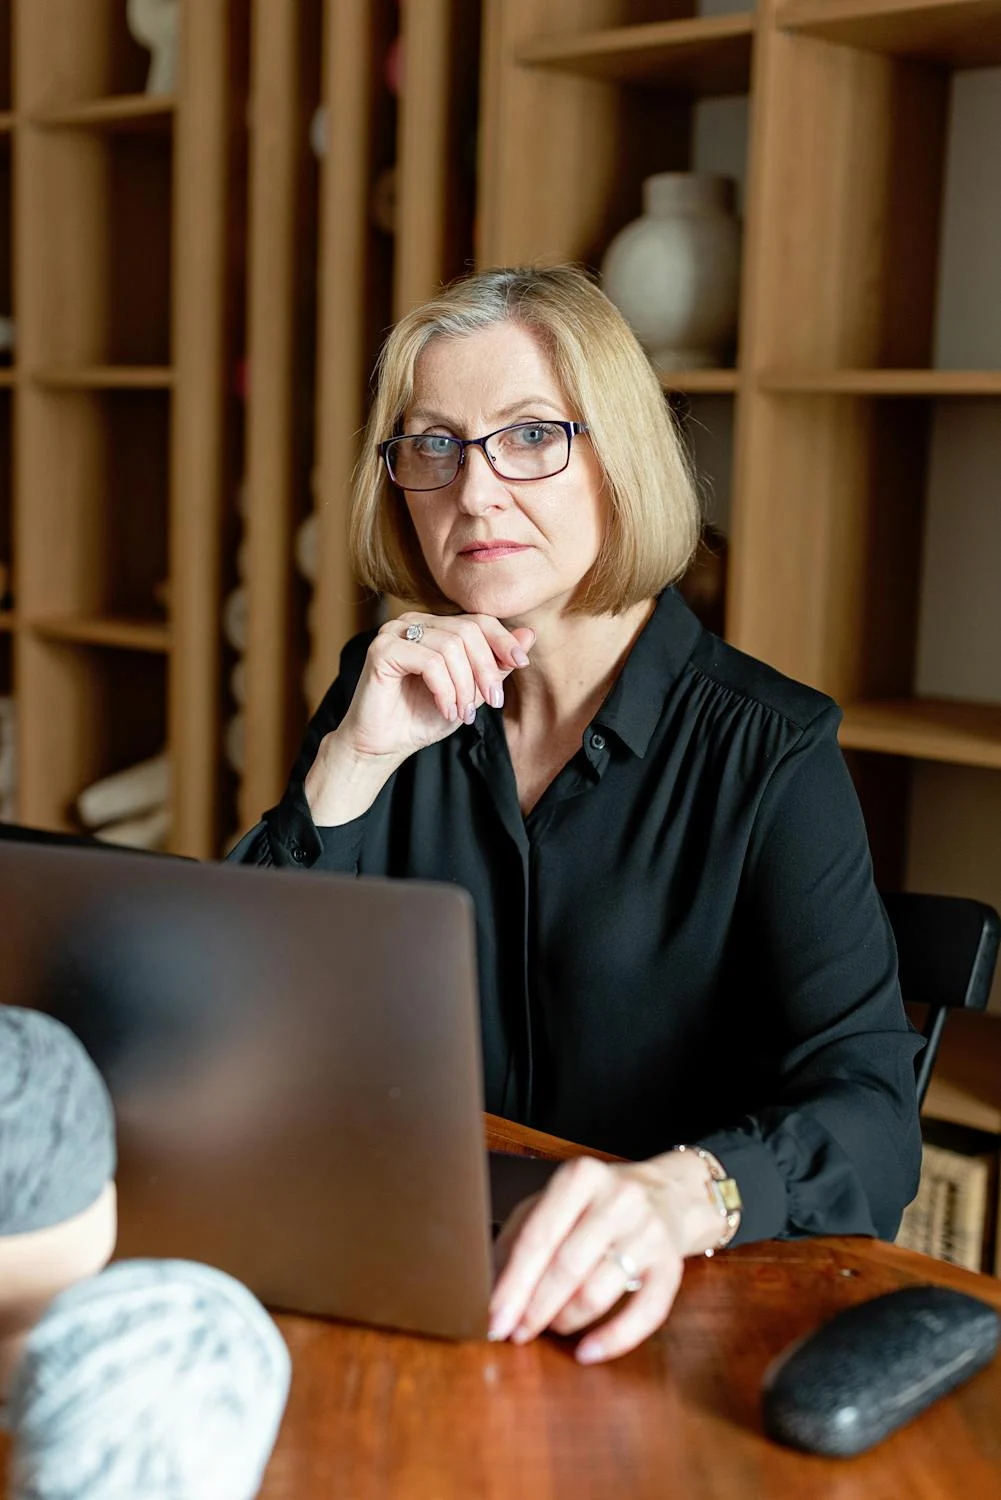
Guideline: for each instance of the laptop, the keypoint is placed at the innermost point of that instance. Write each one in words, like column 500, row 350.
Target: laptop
column 294, row 1060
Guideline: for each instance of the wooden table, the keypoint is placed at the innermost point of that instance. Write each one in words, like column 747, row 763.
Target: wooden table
column 380, row 1416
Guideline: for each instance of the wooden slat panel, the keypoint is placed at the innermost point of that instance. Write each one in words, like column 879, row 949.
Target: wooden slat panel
column 270, row 503
column 199, row 323
column 354, row 285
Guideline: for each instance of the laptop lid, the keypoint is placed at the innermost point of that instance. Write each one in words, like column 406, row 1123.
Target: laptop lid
column 295, row 1065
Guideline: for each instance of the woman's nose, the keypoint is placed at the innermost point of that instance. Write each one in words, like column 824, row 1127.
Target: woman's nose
column 479, row 488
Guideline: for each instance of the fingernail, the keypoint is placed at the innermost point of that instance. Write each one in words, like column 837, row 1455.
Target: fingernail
column 497, row 697
column 519, row 657
column 501, row 1323
column 521, row 1335
column 469, row 713
column 588, row 1352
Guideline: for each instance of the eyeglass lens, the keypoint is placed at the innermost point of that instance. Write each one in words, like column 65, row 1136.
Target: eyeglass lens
column 528, row 450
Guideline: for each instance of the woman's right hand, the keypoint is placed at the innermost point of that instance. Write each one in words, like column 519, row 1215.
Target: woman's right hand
column 411, row 694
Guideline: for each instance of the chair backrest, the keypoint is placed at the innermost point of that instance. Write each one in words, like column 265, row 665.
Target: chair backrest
column 947, row 947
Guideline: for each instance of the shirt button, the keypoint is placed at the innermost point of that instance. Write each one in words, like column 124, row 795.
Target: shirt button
column 597, row 742
column 298, row 853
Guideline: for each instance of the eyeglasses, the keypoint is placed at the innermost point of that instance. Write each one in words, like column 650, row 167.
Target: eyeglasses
column 526, row 450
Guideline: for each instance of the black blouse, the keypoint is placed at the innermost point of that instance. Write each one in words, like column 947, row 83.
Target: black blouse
column 681, row 941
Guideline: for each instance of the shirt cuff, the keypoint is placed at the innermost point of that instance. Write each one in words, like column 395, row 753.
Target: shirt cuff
column 296, row 841
column 752, row 1165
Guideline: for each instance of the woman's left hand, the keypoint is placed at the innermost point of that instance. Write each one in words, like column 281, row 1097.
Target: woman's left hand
column 559, row 1254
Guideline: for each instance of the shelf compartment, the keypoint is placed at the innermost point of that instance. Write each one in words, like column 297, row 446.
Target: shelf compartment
column 104, row 260
column 956, row 33
column 8, row 620
column 126, row 634
column 126, row 113
column 100, row 484
column 941, row 383
column 939, row 729
column 111, row 707
column 105, row 378
column 8, row 119
column 700, row 382
column 700, row 57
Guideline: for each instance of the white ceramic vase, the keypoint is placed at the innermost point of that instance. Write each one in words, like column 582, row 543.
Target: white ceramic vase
column 674, row 273
column 154, row 24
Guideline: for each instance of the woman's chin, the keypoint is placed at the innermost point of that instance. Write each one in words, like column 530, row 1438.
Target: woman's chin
column 503, row 600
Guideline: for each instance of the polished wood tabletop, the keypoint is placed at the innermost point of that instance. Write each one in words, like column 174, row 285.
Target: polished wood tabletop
column 382, row 1416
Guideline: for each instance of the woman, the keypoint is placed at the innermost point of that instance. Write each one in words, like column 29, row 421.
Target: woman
column 678, row 933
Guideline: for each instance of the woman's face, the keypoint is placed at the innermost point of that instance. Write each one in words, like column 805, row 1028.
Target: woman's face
column 501, row 547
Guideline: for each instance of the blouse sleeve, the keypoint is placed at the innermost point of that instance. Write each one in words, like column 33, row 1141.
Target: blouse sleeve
column 287, row 835
column 837, row 1150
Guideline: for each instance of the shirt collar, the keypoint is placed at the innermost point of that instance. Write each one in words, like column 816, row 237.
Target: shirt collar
column 663, row 649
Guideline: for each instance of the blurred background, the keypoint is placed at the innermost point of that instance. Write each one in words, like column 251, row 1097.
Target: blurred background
column 212, row 210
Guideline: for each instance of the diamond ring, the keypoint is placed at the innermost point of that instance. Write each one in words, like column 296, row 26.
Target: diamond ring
column 628, row 1267
column 414, row 633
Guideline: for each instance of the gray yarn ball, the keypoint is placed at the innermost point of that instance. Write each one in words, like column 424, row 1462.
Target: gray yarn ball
column 57, row 1125
column 160, row 1379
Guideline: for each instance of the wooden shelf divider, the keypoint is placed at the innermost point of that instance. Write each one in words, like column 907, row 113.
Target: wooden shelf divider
column 104, row 378
column 123, row 112
column 703, row 56
column 942, row 383
column 955, row 33
column 967, row 734
column 701, row 382
column 125, row 634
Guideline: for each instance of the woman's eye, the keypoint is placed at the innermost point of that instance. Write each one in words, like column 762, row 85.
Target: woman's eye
column 433, row 446
column 534, row 435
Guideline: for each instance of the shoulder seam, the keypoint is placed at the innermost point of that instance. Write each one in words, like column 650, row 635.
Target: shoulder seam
column 801, row 725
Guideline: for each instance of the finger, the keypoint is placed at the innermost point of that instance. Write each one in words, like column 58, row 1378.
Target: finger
column 570, row 1191
column 618, row 1218
column 394, row 657
column 642, row 1315
column 648, row 1252
column 487, row 655
column 597, row 1295
column 509, row 647
column 453, row 651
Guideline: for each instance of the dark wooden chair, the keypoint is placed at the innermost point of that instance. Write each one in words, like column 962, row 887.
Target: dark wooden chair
column 948, row 951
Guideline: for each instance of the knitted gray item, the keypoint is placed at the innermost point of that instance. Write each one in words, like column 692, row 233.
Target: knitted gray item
column 164, row 1380
column 57, row 1125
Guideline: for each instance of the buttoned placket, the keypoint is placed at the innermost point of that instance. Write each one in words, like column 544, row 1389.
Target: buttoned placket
column 489, row 754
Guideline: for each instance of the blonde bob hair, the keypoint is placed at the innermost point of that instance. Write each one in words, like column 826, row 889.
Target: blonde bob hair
column 653, row 511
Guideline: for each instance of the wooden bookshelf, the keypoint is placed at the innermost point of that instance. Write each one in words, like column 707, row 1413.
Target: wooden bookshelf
column 121, row 252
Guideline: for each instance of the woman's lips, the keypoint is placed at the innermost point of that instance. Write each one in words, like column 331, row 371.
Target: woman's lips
column 491, row 551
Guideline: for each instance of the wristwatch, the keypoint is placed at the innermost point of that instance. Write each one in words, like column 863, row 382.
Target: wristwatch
column 723, row 1193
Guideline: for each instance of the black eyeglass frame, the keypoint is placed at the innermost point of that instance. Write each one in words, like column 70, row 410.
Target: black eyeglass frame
column 571, row 429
